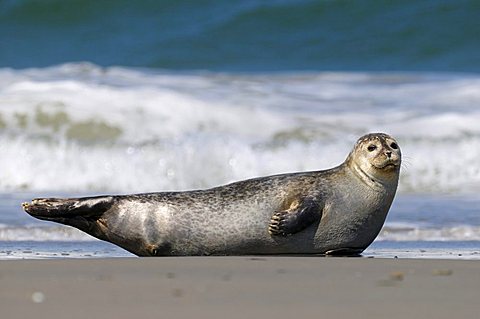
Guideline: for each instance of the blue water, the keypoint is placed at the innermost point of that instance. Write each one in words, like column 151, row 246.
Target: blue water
column 142, row 96
column 244, row 35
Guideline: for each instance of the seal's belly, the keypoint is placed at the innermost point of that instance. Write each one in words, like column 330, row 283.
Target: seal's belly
column 233, row 231
column 222, row 232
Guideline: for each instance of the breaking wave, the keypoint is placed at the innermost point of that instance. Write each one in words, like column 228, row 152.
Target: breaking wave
column 84, row 128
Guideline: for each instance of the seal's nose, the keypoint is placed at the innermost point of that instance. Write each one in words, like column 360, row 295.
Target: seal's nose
column 389, row 154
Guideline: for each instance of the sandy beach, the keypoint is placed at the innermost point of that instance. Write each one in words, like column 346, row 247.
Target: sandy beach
column 239, row 287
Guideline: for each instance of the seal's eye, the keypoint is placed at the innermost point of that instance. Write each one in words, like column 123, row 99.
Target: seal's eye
column 371, row 148
column 394, row 145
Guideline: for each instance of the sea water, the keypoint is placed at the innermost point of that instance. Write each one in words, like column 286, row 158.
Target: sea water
column 113, row 97
column 243, row 35
column 81, row 129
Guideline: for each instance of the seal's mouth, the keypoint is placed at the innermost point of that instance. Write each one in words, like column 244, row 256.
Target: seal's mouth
column 388, row 165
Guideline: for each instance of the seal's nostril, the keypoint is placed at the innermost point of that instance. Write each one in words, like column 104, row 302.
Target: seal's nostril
column 389, row 154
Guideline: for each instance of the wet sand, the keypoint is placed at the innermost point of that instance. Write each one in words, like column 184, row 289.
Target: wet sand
column 239, row 287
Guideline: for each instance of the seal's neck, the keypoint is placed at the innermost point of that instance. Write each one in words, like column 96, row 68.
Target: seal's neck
column 369, row 179
column 365, row 178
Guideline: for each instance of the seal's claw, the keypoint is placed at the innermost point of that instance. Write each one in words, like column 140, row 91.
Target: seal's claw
column 275, row 231
column 277, row 224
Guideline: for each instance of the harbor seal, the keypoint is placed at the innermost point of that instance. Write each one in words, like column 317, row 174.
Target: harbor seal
column 338, row 211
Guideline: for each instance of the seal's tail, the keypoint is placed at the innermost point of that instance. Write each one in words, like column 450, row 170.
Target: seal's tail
column 64, row 208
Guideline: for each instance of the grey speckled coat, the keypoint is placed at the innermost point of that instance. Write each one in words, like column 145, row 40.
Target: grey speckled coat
column 349, row 208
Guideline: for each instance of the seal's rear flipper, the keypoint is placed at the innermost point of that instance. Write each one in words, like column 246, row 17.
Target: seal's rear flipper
column 63, row 210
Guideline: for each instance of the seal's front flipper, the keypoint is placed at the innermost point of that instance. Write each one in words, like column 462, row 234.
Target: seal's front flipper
column 299, row 216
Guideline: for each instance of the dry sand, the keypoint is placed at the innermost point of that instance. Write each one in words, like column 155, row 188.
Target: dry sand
column 240, row 287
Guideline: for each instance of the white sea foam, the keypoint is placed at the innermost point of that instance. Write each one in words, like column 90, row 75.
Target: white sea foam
column 81, row 128
column 414, row 232
column 42, row 233
column 390, row 232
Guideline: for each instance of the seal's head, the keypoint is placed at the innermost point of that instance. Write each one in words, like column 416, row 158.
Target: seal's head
column 378, row 156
